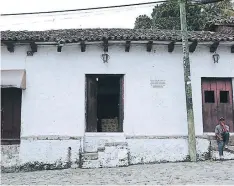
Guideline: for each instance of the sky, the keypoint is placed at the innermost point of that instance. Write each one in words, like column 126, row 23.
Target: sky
column 112, row 18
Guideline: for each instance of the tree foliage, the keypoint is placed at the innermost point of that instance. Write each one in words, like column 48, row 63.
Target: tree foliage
column 221, row 9
column 143, row 21
column 167, row 15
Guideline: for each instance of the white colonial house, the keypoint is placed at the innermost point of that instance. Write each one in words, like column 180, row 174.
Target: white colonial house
column 110, row 97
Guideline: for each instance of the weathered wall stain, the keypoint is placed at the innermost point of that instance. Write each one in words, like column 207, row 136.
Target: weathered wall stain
column 36, row 166
column 113, row 154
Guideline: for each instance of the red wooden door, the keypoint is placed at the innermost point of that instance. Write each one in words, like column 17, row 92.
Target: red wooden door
column 225, row 101
column 217, row 102
column 91, row 111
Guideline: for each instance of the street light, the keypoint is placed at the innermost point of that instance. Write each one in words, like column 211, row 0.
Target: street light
column 216, row 57
column 105, row 58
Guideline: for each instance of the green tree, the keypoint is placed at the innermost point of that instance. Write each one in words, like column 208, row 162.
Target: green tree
column 223, row 9
column 167, row 15
column 143, row 21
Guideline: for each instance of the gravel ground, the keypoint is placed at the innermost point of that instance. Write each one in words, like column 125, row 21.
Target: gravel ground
column 166, row 173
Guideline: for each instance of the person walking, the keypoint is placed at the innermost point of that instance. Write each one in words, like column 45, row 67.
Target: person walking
column 222, row 136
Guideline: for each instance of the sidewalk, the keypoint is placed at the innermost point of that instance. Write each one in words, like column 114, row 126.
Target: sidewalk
column 166, row 173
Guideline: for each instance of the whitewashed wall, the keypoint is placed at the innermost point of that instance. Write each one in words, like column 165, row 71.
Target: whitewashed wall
column 54, row 101
column 164, row 150
column 202, row 65
column 40, row 152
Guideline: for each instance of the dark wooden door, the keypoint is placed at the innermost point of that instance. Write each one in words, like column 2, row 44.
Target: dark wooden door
column 91, row 111
column 10, row 113
column 121, row 104
column 217, row 102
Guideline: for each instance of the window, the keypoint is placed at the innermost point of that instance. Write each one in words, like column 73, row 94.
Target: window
column 10, row 115
column 209, row 97
column 224, row 96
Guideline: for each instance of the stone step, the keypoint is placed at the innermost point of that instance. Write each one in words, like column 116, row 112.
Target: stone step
column 90, row 164
column 94, row 141
column 116, row 144
column 89, row 156
column 230, row 149
column 113, row 154
column 231, row 140
column 214, row 146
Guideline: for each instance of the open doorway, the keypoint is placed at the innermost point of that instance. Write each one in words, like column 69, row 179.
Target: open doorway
column 104, row 103
column 10, row 115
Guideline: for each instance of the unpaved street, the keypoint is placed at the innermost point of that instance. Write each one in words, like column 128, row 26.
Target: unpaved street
column 166, row 173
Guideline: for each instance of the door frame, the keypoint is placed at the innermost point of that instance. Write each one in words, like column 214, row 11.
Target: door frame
column 11, row 98
column 122, row 93
column 202, row 96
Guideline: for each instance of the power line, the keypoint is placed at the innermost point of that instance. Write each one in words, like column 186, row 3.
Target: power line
column 83, row 9
column 68, row 16
column 83, row 12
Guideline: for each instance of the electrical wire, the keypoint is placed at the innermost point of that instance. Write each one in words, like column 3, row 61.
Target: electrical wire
column 84, row 9
column 77, row 13
column 67, row 16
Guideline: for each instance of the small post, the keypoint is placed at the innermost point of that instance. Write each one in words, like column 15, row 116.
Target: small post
column 187, row 81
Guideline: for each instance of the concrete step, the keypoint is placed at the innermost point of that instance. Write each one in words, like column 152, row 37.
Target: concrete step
column 90, row 160
column 231, row 140
column 214, row 142
column 113, row 154
column 230, row 149
column 214, row 146
column 123, row 144
column 90, row 164
column 95, row 141
column 89, row 156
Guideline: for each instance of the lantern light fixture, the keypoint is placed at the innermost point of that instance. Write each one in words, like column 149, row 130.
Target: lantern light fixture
column 105, row 57
column 216, row 57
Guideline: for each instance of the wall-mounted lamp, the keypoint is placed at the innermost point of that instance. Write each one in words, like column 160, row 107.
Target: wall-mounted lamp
column 105, row 58
column 60, row 45
column 216, row 57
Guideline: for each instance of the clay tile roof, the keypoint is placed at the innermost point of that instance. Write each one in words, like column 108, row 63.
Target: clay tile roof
column 76, row 35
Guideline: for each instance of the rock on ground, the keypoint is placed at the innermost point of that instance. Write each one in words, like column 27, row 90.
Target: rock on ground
column 208, row 172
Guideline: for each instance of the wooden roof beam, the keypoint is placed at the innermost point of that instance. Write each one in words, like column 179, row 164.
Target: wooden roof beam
column 214, row 47
column 149, row 46
column 33, row 47
column 232, row 49
column 105, row 45
column 171, row 46
column 59, row 48
column 60, row 45
column 127, row 46
column 82, row 46
column 193, row 46
column 10, row 46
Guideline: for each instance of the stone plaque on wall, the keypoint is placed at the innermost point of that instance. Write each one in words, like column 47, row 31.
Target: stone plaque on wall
column 157, row 83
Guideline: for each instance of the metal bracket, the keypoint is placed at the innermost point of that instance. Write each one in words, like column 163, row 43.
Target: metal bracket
column 30, row 53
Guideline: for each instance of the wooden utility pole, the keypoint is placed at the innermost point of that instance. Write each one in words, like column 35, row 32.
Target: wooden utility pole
column 188, row 85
